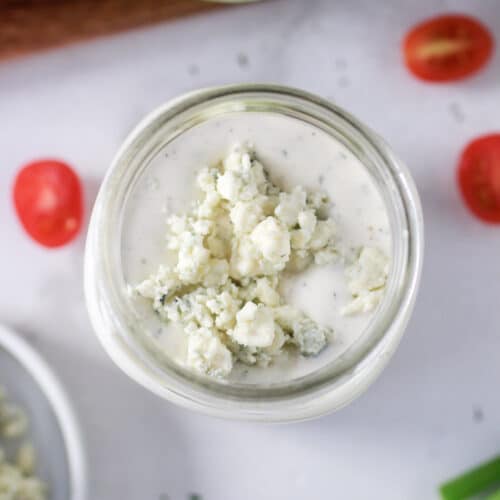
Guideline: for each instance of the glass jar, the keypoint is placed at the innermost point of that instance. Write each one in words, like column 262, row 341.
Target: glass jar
column 125, row 336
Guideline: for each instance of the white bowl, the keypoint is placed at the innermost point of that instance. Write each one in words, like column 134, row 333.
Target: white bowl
column 53, row 430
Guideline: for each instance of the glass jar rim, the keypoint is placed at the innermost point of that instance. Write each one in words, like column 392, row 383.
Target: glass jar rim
column 330, row 387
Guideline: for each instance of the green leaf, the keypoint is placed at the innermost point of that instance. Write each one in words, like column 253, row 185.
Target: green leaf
column 495, row 496
column 473, row 482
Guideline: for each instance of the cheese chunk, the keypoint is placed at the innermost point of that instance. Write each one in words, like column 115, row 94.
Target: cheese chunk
column 366, row 280
column 228, row 254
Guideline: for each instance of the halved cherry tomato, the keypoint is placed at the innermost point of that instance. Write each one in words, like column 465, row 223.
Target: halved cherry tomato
column 48, row 201
column 479, row 177
column 447, row 48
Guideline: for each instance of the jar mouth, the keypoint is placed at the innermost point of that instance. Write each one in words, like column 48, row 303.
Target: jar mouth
column 131, row 346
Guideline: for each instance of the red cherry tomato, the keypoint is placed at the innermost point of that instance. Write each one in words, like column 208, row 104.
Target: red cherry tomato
column 447, row 48
column 48, row 201
column 479, row 177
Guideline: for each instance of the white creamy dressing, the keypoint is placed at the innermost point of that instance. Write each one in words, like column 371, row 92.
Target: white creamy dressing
column 294, row 153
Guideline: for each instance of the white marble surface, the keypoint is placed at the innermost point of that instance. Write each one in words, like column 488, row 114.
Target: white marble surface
column 434, row 411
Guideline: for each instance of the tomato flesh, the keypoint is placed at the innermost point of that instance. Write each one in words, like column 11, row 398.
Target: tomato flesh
column 447, row 48
column 48, row 201
column 479, row 177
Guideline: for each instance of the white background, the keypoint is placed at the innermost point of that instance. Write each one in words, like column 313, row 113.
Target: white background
column 433, row 412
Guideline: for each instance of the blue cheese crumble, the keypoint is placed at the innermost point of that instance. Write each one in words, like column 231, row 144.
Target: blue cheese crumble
column 366, row 280
column 229, row 253
column 17, row 480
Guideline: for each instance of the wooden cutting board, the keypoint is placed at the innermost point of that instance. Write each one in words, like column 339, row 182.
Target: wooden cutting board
column 31, row 25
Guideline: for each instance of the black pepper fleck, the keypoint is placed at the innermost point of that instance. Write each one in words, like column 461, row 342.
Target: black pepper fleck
column 321, row 179
column 284, row 152
column 457, row 112
column 193, row 70
column 478, row 414
column 242, row 60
